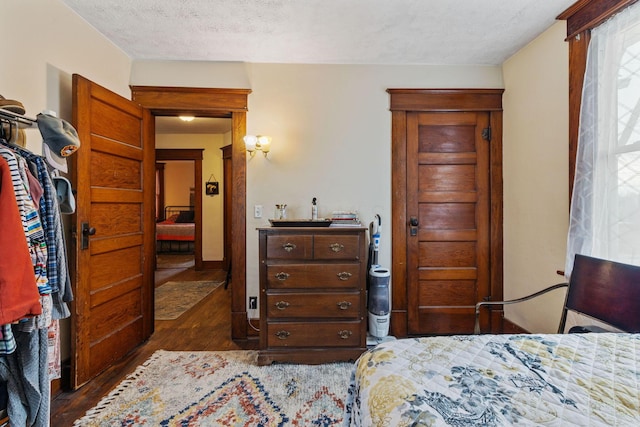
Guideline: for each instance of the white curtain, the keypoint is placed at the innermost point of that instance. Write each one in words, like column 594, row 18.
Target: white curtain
column 605, row 207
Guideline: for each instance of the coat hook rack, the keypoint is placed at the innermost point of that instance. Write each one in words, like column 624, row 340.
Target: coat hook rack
column 19, row 118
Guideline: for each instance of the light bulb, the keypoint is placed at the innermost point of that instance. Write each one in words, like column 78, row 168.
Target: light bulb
column 265, row 143
column 250, row 142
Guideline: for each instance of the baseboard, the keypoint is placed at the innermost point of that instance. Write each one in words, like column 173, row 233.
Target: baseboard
column 213, row 265
column 56, row 387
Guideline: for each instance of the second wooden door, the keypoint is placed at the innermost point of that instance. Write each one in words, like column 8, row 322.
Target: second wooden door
column 448, row 206
column 446, row 209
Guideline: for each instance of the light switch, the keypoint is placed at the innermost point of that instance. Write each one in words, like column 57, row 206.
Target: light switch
column 257, row 211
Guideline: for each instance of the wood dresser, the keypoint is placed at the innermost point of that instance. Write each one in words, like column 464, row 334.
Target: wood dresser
column 312, row 294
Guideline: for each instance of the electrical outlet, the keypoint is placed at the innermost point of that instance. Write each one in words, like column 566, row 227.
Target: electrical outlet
column 257, row 211
column 253, row 303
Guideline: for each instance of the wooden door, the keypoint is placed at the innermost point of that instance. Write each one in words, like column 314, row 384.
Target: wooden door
column 437, row 137
column 449, row 219
column 114, row 241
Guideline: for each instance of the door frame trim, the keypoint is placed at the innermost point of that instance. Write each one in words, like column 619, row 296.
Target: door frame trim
column 221, row 103
column 403, row 101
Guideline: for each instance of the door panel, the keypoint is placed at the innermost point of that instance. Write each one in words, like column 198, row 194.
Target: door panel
column 448, row 193
column 447, row 292
column 113, row 281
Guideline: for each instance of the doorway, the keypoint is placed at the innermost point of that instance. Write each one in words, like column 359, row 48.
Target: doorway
column 187, row 209
column 221, row 103
column 175, row 218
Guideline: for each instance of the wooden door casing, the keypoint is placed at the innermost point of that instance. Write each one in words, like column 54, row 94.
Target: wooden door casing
column 114, row 176
column 448, row 192
column 227, row 193
column 223, row 103
column 427, row 310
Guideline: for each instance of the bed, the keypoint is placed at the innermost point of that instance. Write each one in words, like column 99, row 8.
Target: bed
column 498, row 380
column 176, row 234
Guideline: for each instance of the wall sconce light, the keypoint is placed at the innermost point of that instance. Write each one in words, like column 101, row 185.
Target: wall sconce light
column 255, row 143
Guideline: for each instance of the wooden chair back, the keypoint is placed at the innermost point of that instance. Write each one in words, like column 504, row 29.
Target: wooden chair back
column 606, row 290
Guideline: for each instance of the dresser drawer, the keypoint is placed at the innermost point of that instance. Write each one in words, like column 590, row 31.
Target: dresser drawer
column 336, row 247
column 290, row 247
column 326, row 276
column 313, row 334
column 313, row 305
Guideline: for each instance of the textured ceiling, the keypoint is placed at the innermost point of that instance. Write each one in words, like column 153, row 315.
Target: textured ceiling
column 479, row 32
column 457, row 32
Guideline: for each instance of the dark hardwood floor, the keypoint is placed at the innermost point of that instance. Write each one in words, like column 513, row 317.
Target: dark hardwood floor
column 205, row 327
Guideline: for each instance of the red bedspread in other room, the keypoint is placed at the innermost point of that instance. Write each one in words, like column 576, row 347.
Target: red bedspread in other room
column 170, row 230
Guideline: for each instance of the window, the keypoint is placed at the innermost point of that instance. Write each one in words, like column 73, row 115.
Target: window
column 627, row 151
column 605, row 207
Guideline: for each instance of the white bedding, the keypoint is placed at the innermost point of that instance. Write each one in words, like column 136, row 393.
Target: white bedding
column 498, row 380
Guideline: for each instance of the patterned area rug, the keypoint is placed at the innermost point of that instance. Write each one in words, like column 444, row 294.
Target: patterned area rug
column 224, row 388
column 175, row 298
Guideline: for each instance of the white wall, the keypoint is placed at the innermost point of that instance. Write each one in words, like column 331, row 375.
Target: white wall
column 178, row 182
column 331, row 130
column 212, row 206
column 536, row 186
column 43, row 44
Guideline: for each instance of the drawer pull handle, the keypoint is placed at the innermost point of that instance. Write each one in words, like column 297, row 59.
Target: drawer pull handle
column 344, row 334
column 282, row 276
column 283, row 335
column 281, row 305
column 344, row 305
column 288, row 247
column 336, row 247
column 344, row 275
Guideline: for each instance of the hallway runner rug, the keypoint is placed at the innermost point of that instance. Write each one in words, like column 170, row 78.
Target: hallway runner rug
column 175, row 298
column 224, row 388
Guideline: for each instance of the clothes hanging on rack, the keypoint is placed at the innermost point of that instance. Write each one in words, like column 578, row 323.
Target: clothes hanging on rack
column 28, row 383
column 20, row 297
column 30, row 218
column 24, row 336
column 57, row 269
column 35, row 286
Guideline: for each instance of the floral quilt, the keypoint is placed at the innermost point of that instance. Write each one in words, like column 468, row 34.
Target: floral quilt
column 498, row 380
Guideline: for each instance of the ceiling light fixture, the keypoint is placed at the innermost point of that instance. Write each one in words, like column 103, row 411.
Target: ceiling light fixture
column 186, row 118
column 255, row 143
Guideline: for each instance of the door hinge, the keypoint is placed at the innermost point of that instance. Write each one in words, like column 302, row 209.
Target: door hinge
column 486, row 134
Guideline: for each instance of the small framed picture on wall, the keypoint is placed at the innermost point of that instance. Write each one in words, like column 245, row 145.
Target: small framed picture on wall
column 212, row 188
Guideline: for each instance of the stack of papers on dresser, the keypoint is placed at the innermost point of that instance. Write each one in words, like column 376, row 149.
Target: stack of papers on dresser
column 345, row 219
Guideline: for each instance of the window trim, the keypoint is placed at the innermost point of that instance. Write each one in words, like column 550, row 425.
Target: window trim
column 582, row 17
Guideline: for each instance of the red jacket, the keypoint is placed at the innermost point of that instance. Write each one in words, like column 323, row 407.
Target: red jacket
column 19, row 296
